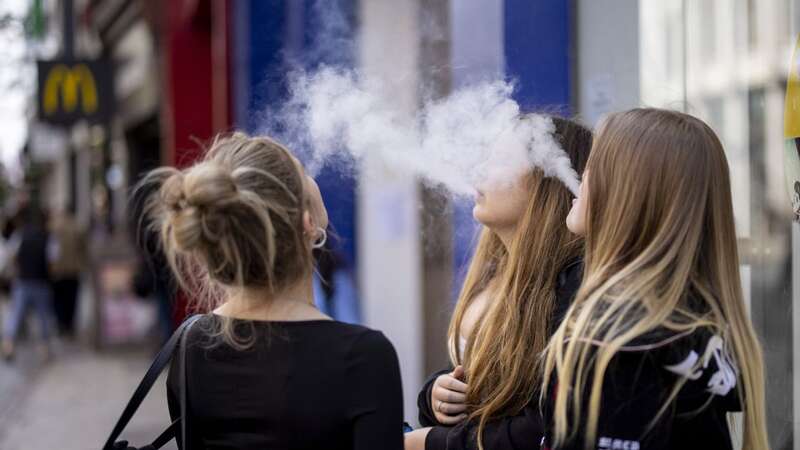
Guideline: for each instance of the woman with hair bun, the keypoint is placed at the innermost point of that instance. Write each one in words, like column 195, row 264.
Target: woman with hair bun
column 266, row 369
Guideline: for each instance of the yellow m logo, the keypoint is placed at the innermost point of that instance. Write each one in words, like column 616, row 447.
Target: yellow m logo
column 68, row 82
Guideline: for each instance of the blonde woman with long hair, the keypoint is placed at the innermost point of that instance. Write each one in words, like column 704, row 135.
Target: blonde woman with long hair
column 657, row 348
column 523, row 275
column 266, row 369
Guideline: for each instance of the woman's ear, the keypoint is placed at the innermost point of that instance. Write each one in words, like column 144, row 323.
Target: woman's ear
column 309, row 228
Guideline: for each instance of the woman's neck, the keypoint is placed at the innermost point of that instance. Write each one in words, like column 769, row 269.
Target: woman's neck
column 295, row 303
column 505, row 236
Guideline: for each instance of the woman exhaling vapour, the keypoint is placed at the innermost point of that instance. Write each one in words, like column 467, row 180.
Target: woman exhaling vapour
column 266, row 369
column 525, row 272
column 657, row 347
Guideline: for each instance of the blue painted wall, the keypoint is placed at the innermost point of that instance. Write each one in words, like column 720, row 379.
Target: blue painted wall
column 537, row 36
column 267, row 34
column 537, row 44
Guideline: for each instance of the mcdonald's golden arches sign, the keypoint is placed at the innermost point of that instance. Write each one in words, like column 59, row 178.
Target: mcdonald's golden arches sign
column 70, row 91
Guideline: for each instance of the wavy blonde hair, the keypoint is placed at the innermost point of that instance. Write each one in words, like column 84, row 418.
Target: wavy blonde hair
column 659, row 225
column 232, row 221
column 500, row 354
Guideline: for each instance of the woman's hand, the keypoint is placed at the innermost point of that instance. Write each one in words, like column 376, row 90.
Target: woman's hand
column 415, row 440
column 448, row 397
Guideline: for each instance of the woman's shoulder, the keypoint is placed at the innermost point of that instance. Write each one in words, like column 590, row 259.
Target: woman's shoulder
column 676, row 348
column 368, row 340
column 209, row 325
column 699, row 357
column 330, row 336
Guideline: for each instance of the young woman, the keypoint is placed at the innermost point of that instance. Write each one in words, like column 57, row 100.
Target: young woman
column 525, row 271
column 657, row 347
column 267, row 369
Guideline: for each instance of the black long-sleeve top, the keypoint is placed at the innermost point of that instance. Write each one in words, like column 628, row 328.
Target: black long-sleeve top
column 523, row 431
column 300, row 385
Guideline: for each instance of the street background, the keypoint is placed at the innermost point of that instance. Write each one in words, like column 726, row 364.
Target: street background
column 167, row 74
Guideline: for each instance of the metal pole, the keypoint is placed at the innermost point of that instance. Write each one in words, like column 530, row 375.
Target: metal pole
column 69, row 29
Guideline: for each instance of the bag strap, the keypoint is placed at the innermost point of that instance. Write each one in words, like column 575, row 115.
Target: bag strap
column 162, row 359
column 183, row 388
column 167, row 435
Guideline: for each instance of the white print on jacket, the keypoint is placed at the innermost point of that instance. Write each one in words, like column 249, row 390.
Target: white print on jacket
column 723, row 380
column 607, row 443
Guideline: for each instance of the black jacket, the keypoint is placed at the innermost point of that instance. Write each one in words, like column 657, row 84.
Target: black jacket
column 638, row 384
column 524, row 431
column 31, row 257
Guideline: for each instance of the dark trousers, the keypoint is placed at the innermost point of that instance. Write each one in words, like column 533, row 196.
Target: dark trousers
column 65, row 299
column 27, row 294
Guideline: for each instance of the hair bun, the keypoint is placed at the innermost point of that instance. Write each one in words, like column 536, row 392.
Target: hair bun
column 200, row 199
column 208, row 185
column 233, row 219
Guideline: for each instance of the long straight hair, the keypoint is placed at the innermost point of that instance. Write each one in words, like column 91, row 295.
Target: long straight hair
column 500, row 354
column 659, row 226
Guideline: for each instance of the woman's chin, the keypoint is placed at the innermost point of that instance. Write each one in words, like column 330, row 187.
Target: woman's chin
column 479, row 214
column 574, row 227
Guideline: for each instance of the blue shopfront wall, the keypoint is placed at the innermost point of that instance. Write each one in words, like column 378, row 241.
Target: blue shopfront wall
column 266, row 35
column 536, row 40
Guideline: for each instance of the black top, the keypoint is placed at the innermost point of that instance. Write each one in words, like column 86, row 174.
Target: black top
column 524, row 431
column 639, row 382
column 31, row 255
column 300, row 385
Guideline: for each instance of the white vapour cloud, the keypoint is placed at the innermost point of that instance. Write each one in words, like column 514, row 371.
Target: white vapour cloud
column 475, row 137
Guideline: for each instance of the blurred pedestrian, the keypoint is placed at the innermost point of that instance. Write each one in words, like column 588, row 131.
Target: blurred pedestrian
column 66, row 270
column 153, row 278
column 334, row 285
column 31, row 250
column 328, row 261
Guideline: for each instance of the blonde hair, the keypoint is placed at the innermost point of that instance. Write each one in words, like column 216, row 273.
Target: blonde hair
column 659, row 226
column 499, row 355
column 233, row 220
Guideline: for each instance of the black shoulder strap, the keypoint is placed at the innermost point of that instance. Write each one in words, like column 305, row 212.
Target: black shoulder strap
column 162, row 359
column 183, row 387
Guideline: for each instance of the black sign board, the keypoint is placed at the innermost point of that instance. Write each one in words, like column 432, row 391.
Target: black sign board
column 75, row 90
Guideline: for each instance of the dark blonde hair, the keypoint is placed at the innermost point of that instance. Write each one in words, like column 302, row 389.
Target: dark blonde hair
column 233, row 220
column 500, row 354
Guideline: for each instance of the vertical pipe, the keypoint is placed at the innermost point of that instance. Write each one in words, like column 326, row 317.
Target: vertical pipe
column 437, row 229
column 220, row 104
column 68, row 39
column 684, row 58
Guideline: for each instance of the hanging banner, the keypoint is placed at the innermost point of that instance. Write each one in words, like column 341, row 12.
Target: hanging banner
column 791, row 131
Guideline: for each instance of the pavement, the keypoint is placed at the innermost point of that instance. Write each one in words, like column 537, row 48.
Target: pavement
column 73, row 400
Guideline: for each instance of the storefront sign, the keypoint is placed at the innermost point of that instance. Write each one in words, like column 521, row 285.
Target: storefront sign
column 73, row 91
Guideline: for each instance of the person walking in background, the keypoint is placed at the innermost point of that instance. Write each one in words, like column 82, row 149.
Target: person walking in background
column 153, row 277
column 31, row 250
column 66, row 270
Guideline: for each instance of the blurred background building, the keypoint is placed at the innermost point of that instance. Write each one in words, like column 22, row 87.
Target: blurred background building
column 184, row 70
